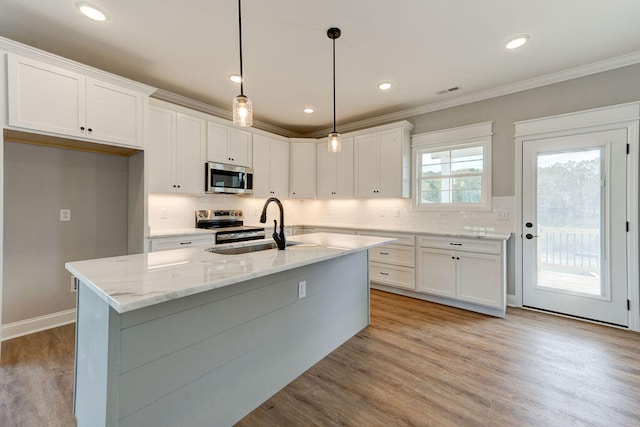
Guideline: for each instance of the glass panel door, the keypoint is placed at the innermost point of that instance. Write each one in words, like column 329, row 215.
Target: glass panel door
column 574, row 225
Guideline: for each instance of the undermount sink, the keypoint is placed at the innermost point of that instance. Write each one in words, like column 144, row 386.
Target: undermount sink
column 247, row 249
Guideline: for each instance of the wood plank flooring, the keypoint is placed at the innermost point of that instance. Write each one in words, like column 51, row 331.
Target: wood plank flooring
column 418, row 364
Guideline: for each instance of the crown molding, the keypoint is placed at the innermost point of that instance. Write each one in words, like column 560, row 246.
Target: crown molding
column 36, row 54
column 561, row 76
column 183, row 101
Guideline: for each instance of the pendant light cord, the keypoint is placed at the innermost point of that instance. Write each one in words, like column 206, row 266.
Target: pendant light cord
column 240, row 38
column 334, row 85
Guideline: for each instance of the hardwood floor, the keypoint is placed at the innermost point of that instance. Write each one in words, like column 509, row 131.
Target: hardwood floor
column 417, row 364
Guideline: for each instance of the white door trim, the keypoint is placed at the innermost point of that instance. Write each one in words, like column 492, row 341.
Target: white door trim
column 625, row 116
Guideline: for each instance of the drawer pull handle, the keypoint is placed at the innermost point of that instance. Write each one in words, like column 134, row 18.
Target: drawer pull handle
column 455, row 244
column 383, row 273
column 185, row 243
column 383, row 253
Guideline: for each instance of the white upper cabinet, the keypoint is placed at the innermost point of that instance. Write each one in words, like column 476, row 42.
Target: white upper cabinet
column 190, row 143
column 175, row 152
column 382, row 161
column 114, row 113
column 51, row 99
column 335, row 171
column 160, row 152
column 303, row 168
column 270, row 167
column 228, row 145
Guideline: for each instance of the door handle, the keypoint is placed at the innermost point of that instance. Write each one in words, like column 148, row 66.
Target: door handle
column 529, row 236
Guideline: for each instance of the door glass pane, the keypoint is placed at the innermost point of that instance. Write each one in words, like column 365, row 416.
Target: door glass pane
column 569, row 219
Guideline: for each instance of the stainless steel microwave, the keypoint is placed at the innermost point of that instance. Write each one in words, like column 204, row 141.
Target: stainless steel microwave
column 228, row 179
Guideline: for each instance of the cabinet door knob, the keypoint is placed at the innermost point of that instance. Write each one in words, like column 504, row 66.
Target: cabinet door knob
column 90, row 130
column 81, row 127
column 174, row 186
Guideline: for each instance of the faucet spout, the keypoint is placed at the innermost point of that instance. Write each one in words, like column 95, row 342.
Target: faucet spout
column 277, row 237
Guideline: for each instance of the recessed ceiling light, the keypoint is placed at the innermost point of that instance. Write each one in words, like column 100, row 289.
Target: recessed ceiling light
column 235, row 78
column 91, row 11
column 517, row 41
column 384, row 86
column 309, row 110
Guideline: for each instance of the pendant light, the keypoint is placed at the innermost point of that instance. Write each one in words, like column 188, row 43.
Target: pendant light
column 242, row 108
column 335, row 145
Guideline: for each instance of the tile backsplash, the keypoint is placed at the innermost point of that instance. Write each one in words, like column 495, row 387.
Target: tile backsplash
column 175, row 212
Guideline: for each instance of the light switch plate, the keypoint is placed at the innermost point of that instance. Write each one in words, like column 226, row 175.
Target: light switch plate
column 502, row 215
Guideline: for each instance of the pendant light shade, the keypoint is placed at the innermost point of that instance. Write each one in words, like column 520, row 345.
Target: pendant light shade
column 242, row 111
column 242, row 108
column 334, row 143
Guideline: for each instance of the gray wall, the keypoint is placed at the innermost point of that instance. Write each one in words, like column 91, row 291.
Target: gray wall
column 39, row 181
column 597, row 90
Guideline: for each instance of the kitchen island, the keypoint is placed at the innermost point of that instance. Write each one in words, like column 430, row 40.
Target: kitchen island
column 189, row 337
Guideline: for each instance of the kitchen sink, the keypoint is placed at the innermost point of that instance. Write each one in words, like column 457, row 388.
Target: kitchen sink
column 248, row 248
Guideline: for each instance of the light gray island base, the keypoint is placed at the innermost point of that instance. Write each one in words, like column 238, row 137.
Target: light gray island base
column 210, row 358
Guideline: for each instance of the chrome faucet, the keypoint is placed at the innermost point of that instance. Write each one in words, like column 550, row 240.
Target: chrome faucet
column 278, row 237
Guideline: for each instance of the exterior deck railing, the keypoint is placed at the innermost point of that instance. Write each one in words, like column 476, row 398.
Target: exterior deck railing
column 569, row 247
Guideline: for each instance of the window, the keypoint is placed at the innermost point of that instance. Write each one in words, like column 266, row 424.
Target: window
column 453, row 169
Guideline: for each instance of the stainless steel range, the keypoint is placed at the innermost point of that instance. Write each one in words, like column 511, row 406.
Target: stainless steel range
column 228, row 226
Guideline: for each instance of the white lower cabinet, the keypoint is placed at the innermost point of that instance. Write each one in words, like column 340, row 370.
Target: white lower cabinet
column 437, row 272
column 394, row 264
column 473, row 272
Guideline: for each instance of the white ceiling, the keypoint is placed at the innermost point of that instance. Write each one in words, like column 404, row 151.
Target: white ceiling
column 421, row 46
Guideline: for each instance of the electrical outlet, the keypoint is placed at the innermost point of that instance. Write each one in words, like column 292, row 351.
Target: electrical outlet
column 444, row 215
column 302, row 289
column 74, row 283
column 164, row 213
column 502, row 215
column 65, row 214
column 396, row 212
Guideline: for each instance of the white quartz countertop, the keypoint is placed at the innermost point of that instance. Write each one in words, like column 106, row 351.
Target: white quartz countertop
column 131, row 282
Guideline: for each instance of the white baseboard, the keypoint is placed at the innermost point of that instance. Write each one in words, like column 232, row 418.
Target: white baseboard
column 37, row 324
column 511, row 300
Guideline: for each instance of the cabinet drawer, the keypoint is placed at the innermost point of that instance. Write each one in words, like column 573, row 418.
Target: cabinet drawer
column 401, row 277
column 165, row 244
column 403, row 239
column 394, row 255
column 461, row 244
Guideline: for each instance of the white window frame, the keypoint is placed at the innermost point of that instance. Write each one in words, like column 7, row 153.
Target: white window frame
column 480, row 134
